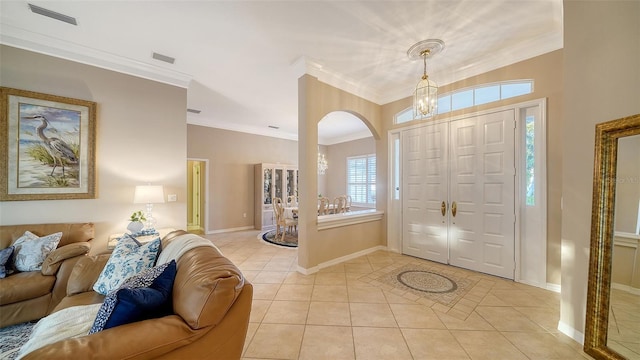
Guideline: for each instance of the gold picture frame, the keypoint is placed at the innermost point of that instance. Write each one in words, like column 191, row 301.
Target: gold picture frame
column 601, row 250
column 48, row 146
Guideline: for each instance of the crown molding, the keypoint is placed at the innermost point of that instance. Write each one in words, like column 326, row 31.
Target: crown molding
column 304, row 65
column 248, row 129
column 27, row 40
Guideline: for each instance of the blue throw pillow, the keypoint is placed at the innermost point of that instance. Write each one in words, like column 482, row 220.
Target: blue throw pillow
column 128, row 258
column 5, row 255
column 144, row 296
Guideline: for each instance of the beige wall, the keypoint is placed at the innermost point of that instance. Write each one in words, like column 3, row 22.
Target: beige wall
column 627, row 184
column 141, row 137
column 546, row 71
column 337, row 173
column 601, row 83
column 232, row 156
column 315, row 100
column 626, row 262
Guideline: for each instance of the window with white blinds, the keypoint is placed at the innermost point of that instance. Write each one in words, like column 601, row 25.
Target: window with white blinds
column 361, row 179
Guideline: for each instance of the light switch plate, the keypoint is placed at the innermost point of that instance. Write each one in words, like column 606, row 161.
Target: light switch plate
column 172, row 197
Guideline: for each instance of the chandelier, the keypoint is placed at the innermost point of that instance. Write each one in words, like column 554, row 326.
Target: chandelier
column 425, row 97
column 322, row 163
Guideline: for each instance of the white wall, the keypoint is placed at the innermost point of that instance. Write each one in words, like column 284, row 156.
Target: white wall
column 141, row 137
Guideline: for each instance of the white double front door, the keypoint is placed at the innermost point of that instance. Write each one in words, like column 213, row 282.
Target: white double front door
column 458, row 193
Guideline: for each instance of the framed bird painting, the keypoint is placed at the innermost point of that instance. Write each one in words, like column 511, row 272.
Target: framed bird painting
column 48, row 146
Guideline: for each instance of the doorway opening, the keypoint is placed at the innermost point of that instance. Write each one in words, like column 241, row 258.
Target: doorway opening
column 197, row 180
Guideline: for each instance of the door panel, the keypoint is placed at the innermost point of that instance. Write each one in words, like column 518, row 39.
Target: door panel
column 482, row 173
column 424, row 187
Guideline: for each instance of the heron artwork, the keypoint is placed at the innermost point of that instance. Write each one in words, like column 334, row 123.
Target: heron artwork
column 59, row 150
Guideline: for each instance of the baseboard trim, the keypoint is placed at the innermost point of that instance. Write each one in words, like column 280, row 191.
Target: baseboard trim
column 627, row 288
column 571, row 332
column 554, row 287
column 220, row 231
column 315, row 269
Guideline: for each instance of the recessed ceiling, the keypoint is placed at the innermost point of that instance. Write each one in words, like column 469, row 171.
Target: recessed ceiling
column 240, row 60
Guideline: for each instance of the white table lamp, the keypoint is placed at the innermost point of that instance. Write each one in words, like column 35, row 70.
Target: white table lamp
column 149, row 195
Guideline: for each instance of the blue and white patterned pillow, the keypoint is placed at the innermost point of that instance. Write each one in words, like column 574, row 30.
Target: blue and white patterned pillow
column 128, row 258
column 29, row 251
column 143, row 279
column 5, row 266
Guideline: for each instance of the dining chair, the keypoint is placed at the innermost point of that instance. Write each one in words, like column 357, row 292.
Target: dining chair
column 340, row 204
column 323, row 205
column 288, row 224
column 292, row 201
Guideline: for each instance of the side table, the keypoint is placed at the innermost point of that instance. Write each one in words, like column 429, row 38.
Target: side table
column 113, row 238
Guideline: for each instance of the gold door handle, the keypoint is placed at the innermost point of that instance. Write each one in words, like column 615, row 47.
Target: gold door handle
column 443, row 208
column 454, row 209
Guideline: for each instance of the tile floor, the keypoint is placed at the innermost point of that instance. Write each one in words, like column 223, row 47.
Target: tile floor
column 342, row 313
column 624, row 324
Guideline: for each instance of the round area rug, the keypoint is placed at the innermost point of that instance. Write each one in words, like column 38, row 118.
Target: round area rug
column 427, row 281
column 288, row 241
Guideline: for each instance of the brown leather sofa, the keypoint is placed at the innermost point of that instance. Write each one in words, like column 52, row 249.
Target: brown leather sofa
column 211, row 305
column 26, row 296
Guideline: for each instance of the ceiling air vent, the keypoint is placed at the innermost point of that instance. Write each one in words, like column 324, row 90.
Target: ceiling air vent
column 52, row 14
column 165, row 58
column 194, row 111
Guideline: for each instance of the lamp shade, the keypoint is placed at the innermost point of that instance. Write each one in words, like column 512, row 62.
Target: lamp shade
column 148, row 194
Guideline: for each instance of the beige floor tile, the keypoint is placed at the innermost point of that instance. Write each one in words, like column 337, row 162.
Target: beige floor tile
column 375, row 315
column 331, row 278
column 258, row 310
column 270, row 277
column 276, row 341
column 299, row 279
column 278, row 265
column 330, row 293
column 487, row 345
column 250, row 274
column 265, row 291
column 329, row 313
column 492, row 300
column 430, row 344
column 332, row 269
column 472, row 322
column 394, row 298
column 416, row 316
column 287, row 312
column 252, row 265
column 363, row 267
column 370, row 294
column 541, row 346
column 507, row 319
column 544, row 316
column 294, row 292
column 380, row 343
column 327, row 342
column 517, row 297
column 251, row 330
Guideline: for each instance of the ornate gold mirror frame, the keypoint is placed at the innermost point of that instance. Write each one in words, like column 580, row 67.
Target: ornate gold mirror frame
column 600, row 259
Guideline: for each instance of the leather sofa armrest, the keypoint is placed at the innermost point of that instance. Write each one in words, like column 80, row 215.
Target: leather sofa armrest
column 85, row 273
column 53, row 261
column 140, row 340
